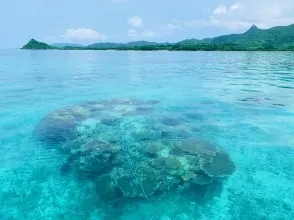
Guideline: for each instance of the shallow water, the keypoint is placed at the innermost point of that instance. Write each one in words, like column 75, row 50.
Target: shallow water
column 243, row 102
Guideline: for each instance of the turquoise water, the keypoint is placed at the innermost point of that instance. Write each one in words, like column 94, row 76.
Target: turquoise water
column 241, row 102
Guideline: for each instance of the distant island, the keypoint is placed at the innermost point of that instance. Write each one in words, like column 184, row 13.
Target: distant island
column 280, row 38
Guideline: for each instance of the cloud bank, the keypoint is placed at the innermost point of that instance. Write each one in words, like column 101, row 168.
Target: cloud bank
column 83, row 34
column 136, row 22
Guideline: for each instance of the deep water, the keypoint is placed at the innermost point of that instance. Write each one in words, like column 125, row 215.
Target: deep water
column 241, row 102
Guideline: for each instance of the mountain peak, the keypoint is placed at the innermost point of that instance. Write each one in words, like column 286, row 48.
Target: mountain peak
column 253, row 28
column 33, row 41
column 35, row 45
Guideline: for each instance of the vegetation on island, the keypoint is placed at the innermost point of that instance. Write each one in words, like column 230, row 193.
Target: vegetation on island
column 280, row 38
column 37, row 45
column 61, row 45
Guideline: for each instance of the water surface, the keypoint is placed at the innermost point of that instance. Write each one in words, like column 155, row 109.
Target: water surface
column 245, row 103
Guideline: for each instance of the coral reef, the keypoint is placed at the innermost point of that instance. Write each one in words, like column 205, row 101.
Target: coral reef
column 130, row 151
column 195, row 146
column 221, row 165
column 144, row 184
column 171, row 121
column 153, row 149
column 107, row 189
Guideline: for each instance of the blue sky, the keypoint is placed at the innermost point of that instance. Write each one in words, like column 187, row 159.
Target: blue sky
column 88, row 21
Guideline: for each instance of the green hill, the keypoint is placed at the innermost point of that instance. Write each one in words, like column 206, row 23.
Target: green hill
column 61, row 45
column 141, row 43
column 278, row 38
column 36, row 45
column 106, row 45
column 109, row 45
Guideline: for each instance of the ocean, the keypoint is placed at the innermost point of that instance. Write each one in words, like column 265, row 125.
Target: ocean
column 146, row 135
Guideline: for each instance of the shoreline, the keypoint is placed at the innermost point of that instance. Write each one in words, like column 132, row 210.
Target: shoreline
column 156, row 50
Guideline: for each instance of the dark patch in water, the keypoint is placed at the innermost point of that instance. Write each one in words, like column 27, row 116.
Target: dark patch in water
column 276, row 104
column 194, row 115
column 152, row 102
column 251, row 90
column 65, row 169
column 248, row 99
column 170, row 121
column 74, row 157
column 144, row 109
column 110, row 121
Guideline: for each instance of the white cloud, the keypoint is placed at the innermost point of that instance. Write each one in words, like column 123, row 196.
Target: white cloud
column 226, row 17
column 83, row 34
column 241, row 16
column 135, row 22
column 220, row 10
column 236, row 6
column 132, row 33
column 236, row 18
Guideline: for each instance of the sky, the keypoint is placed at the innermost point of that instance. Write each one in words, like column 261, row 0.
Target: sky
column 89, row 21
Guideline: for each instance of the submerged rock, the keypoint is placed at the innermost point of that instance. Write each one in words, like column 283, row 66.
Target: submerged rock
column 98, row 145
column 93, row 106
column 143, row 183
column 149, row 179
column 70, row 146
column 97, row 157
column 220, row 166
column 138, row 102
column 154, row 148
column 129, row 153
column 117, row 102
column 200, row 179
column 65, row 169
column 170, row 121
column 196, row 146
column 129, row 186
column 188, row 176
column 112, row 136
column 110, row 121
column 152, row 102
column 158, row 163
column 144, row 109
column 107, row 188
column 172, row 163
column 60, row 125
column 130, row 101
column 146, row 135
column 194, row 115
column 175, row 133
column 79, row 112
column 56, row 127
